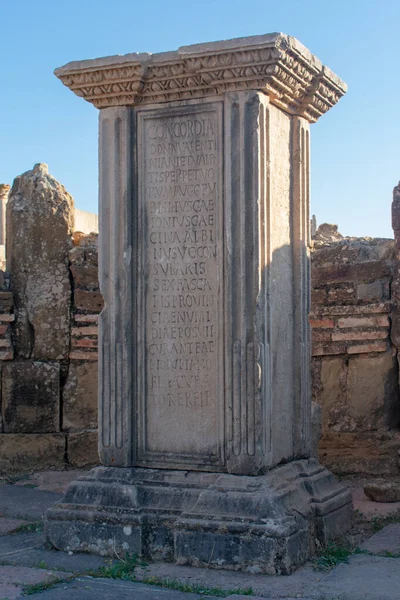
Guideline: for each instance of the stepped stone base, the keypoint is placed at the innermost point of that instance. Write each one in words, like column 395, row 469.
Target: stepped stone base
column 265, row 524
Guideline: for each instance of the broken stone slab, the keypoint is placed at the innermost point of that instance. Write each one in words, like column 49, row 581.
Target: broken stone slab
column 385, row 541
column 383, row 491
column 40, row 222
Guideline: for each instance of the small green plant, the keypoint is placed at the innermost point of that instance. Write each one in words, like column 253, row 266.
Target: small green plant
column 36, row 527
column 332, row 555
column 35, row 588
column 123, row 569
column 358, row 515
column 175, row 584
column 379, row 522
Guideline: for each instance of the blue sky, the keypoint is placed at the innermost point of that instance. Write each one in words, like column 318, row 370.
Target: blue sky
column 355, row 147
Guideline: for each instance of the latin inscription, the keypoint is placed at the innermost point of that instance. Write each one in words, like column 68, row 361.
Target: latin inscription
column 181, row 179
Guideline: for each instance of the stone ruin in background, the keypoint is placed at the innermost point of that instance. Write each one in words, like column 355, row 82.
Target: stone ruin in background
column 49, row 305
column 204, row 336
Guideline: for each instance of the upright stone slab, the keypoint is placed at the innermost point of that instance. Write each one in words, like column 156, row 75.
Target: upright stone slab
column 40, row 222
column 204, row 336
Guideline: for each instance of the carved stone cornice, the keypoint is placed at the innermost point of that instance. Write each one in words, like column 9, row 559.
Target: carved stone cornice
column 277, row 64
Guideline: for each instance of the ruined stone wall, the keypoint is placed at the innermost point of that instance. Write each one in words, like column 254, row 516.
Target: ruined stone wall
column 49, row 305
column 355, row 366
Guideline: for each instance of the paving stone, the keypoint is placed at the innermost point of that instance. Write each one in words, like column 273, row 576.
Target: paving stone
column 272, row 586
column 25, row 502
column 51, row 481
column 88, row 589
column 363, row 578
column 13, row 579
column 386, row 540
column 20, row 543
column 8, row 525
column 53, row 559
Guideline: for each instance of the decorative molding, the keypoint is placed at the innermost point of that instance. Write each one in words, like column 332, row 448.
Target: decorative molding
column 294, row 79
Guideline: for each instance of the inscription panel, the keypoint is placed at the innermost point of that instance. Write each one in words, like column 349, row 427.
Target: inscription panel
column 180, row 207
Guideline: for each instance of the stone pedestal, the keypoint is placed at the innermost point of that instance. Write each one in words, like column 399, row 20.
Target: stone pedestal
column 205, row 344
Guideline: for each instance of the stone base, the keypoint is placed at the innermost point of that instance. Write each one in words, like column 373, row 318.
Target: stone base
column 265, row 524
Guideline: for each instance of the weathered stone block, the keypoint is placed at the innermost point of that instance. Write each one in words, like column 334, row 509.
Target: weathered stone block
column 25, row 451
column 80, row 397
column 332, row 255
column 40, row 215
column 372, row 395
column 333, row 391
column 6, row 302
column 85, row 276
column 89, row 301
column 350, row 453
column 365, row 271
column 383, row 491
column 359, row 394
column 370, row 291
column 31, row 397
column 318, row 297
column 77, row 255
column 83, row 449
